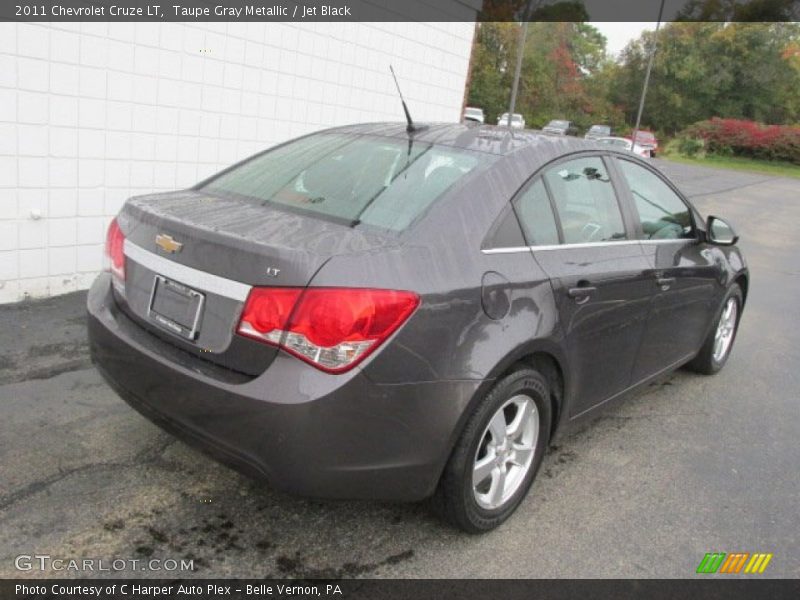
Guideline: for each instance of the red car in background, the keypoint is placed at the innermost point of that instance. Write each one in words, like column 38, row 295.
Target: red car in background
column 647, row 140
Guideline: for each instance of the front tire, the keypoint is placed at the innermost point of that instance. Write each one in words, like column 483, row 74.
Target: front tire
column 498, row 454
column 719, row 343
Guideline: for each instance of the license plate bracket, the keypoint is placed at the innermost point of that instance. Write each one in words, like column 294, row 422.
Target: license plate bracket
column 176, row 307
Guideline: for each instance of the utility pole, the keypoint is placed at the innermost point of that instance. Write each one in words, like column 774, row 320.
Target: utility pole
column 647, row 77
column 520, row 53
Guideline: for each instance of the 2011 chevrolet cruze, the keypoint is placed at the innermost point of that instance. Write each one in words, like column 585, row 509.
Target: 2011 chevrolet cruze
column 369, row 312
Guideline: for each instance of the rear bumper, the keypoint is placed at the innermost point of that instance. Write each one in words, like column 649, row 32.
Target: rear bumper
column 305, row 431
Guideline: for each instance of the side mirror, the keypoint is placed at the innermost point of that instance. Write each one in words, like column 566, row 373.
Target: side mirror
column 720, row 233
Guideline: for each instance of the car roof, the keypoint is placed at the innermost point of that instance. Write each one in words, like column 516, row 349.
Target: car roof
column 491, row 139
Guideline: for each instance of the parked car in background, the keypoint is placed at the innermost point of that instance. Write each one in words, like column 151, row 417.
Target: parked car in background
column 281, row 315
column 517, row 121
column 472, row 113
column 625, row 144
column 647, row 139
column 598, row 131
column 560, row 127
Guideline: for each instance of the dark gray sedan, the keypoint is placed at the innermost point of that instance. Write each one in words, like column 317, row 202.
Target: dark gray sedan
column 370, row 313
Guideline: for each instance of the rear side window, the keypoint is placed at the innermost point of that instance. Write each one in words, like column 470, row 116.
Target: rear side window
column 585, row 200
column 350, row 178
column 662, row 213
column 536, row 216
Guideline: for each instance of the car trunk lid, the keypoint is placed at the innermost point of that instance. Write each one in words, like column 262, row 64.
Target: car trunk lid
column 192, row 257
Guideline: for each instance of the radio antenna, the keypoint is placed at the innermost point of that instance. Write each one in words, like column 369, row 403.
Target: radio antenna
column 410, row 128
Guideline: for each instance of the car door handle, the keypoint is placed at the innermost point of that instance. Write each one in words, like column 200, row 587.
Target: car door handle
column 665, row 282
column 581, row 294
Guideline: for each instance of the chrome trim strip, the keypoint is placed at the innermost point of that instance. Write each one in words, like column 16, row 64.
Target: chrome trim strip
column 506, row 250
column 194, row 278
column 516, row 249
column 668, row 241
column 557, row 247
column 586, row 245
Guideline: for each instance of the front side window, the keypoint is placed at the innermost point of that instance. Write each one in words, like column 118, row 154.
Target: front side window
column 585, row 200
column 350, row 178
column 662, row 213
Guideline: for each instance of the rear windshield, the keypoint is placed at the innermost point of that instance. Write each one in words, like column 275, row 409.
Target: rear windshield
column 349, row 178
column 559, row 124
column 601, row 129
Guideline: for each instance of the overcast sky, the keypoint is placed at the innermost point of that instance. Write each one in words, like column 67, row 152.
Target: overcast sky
column 619, row 34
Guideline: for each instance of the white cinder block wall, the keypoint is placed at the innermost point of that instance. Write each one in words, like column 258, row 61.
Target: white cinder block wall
column 92, row 113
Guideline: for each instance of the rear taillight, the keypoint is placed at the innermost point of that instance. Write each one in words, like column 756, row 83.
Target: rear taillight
column 114, row 253
column 266, row 313
column 331, row 328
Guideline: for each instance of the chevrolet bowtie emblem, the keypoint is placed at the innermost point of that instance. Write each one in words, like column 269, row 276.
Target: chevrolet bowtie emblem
column 167, row 243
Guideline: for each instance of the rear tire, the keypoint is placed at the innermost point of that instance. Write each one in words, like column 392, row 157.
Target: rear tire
column 498, row 454
column 718, row 344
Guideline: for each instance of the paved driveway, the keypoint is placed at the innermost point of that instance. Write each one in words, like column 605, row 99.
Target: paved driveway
column 694, row 464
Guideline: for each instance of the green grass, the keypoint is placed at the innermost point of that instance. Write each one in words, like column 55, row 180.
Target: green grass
column 767, row 167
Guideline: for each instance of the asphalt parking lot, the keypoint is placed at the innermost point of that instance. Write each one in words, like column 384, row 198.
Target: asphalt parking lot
column 645, row 489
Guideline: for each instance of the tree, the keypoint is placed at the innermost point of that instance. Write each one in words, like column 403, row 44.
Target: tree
column 736, row 10
column 558, row 63
column 491, row 68
column 702, row 70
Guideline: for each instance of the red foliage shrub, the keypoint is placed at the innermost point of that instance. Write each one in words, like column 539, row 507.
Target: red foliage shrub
column 749, row 138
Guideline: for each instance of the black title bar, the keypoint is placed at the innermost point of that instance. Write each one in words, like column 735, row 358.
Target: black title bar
column 701, row 588
column 397, row 10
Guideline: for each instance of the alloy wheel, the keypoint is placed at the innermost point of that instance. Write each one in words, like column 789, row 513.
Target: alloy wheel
column 726, row 328
column 505, row 453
